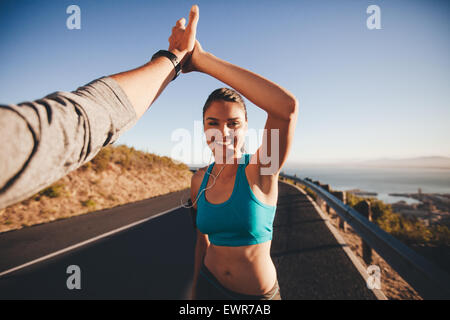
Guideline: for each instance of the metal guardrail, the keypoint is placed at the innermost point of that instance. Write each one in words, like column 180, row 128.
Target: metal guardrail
column 426, row 278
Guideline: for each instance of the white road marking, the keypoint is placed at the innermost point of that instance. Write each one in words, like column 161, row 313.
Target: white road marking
column 80, row 244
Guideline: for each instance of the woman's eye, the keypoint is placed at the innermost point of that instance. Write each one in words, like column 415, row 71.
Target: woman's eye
column 231, row 124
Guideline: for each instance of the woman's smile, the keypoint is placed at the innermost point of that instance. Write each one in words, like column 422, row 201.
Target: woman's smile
column 223, row 143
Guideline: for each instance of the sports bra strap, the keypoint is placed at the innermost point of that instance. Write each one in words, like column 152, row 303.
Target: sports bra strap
column 242, row 164
column 206, row 177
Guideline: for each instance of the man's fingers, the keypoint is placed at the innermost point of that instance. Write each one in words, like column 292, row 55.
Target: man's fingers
column 193, row 19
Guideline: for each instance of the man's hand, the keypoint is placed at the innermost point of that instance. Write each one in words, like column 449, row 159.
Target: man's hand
column 144, row 84
column 182, row 39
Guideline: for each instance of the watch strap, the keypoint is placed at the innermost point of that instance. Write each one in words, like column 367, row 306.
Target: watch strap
column 171, row 57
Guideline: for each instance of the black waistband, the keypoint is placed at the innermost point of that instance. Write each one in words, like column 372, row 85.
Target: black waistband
column 229, row 294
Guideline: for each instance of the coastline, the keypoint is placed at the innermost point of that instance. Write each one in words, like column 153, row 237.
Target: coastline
column 431, row 208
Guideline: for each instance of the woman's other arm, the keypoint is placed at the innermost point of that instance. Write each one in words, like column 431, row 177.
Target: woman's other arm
column 202, row 242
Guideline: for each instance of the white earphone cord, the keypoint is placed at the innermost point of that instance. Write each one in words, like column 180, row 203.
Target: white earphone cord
column 204, row 189
column 198, row 195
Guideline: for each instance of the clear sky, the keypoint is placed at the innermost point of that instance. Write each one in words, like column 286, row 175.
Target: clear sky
column 364, row 94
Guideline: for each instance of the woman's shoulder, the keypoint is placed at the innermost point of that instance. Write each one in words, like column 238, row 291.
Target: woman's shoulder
column 199, row 174
column 197, row 178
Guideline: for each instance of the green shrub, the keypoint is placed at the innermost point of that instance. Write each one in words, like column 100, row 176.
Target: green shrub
column 88, row 203
column 53, row 191
column 409, row 230
column 311, row 193
column 102, row 159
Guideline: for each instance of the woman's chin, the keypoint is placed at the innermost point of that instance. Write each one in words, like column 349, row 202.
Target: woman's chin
column 225, row 153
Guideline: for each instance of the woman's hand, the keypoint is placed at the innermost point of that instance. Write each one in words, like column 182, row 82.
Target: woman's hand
column 182, row 39
column 194, row 59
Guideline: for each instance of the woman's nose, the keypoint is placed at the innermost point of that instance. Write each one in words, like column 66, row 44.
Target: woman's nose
column 225, row 131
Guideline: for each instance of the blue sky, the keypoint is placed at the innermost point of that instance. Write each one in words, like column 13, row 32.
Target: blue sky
column 364, row 94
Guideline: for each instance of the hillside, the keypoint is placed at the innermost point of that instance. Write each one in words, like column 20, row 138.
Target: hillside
column 116, row 176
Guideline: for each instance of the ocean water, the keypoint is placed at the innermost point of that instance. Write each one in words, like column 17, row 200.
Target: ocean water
column 380, row 180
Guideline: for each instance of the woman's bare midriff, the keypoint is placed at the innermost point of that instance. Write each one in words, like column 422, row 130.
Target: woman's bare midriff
column 246, row 269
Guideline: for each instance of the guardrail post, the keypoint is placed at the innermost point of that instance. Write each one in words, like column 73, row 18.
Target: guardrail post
column 363, row 207
column 341, row 196
column 319, row 200
column 328, row 189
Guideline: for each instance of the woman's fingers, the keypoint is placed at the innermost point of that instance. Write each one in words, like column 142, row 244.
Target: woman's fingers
column 181, row 23
column 183, row 38
column 194, row 15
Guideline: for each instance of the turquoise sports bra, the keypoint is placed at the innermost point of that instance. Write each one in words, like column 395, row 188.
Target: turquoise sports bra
column 241, row 220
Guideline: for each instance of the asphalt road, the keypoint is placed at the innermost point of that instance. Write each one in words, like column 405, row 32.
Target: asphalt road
column 310, row 263
column 154, row 259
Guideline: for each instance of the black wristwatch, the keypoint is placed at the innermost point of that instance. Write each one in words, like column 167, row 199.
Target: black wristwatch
column 171, row 57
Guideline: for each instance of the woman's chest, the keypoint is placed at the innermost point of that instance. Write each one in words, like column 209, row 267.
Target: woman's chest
column 221, row 191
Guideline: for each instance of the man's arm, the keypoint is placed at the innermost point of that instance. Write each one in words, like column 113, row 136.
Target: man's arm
column 43, row 140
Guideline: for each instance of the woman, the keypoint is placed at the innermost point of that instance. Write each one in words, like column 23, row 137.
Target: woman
column 235, row 197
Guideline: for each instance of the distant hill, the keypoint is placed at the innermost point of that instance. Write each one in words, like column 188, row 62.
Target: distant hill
column 419, row 162
column 436, row 162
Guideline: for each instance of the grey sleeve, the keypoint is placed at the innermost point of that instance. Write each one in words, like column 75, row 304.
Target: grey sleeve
column 43, row 140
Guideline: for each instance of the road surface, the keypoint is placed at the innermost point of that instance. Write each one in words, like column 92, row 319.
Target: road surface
column 153, row 259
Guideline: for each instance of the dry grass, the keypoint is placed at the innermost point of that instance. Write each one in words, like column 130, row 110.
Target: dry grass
column 116, row 176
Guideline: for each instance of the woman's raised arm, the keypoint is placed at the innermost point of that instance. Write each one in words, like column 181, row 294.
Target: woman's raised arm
column 280, row 105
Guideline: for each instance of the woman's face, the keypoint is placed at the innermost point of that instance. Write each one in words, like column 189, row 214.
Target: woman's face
column 225, row 128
